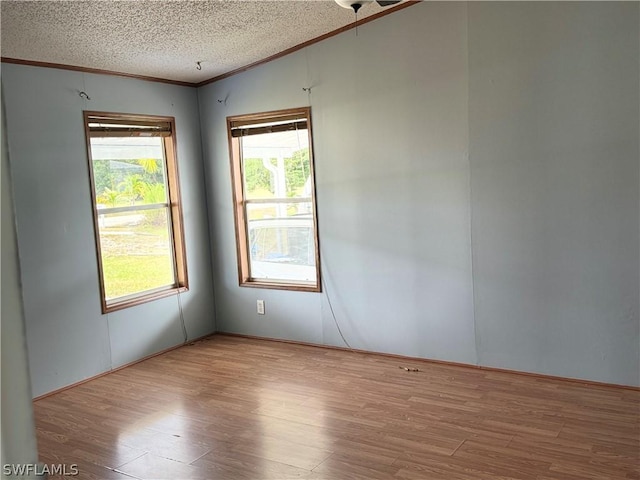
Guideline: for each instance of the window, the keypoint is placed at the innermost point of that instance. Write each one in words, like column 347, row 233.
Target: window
column 274, row 199
column 136, row 207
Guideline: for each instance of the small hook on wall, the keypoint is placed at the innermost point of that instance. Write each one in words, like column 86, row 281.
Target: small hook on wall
column 198, row 65
column 84, row 95
column 306, row 89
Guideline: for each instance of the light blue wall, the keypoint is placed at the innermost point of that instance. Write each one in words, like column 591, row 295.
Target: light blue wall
column 477, row 187
column 18, row 432
column 553, row 115
column 390, row 126
column 69, row 338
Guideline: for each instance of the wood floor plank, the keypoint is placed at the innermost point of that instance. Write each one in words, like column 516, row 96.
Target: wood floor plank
column 240, row 466
column 433, row 466
column 350, row 468
column 246, row 409
column 152, row 466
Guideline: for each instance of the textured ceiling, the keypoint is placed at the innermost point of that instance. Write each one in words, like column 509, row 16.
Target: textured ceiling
column 165, row 38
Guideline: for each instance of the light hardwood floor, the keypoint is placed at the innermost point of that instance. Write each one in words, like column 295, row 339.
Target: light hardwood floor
column 235, row 408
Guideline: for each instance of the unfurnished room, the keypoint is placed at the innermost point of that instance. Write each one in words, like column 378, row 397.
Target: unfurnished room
column 320, row 240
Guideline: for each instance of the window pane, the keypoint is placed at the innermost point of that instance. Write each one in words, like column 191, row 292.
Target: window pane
column 281, row 242
column 128, row 171
column 272, row 175
column 136, row 251
column 137, row 210
column 276, row 165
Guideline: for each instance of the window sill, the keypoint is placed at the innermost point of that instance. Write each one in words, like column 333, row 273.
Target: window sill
column 140, row 299
column 296, row 287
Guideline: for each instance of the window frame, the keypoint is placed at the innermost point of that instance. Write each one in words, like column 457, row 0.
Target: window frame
column 240, row 201
column 173, row 206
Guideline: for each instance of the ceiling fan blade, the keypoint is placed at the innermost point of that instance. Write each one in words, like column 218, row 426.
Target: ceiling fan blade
column 386, row 3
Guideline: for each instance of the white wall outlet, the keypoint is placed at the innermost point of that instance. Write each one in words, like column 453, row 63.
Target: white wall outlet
column 260, row 307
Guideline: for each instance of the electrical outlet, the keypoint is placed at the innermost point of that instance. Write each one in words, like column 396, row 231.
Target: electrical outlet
column 260, row 307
